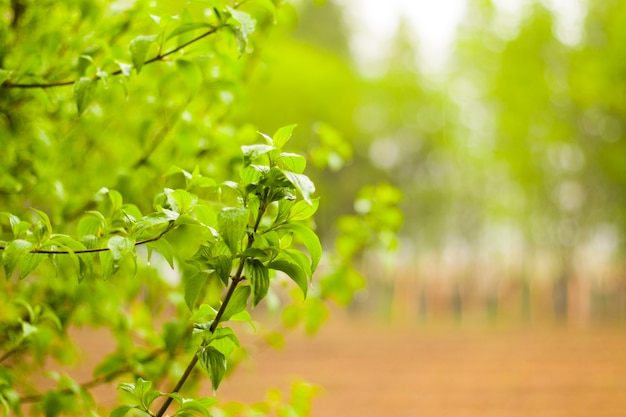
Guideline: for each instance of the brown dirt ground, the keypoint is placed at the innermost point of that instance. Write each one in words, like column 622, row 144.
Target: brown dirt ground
column 372, row 369
column 369, row 370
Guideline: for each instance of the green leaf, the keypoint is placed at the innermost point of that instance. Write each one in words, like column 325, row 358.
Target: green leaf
column 46, row 226
column 120, row 248
column 122, row 410
column 125, row 68
column 15, row 251
column 111, row 364
column 245, row 317
column 225, row 333
column 187, row 27
column 246, row 22
column 214, row 363
column 85, row 265
column 242, row 40
column 222, row 265
column 300, row 259
column 90, row 225
column 173, row 334
column 259, row 278
column 28, row 329
column 310, row 240
column 200, row 405
column 20, row 229
column 293, row 271
column 302, row 210
column 84, row 89
column 251, row 152
column 252, row 174
column 231, row 223
column 204, row 313
column 245, row 27
column 302, row 184
column 139, row 49
column 293, row 162
column 52, row 404
column 164, row 248
column 285, row 208
column 29, row 263
column 116, row 199
column 108, row 267
column 238, row 302
column 64, row 242
column 282, row 135
column 183, row 200
column 4, row 75
column 193, row 286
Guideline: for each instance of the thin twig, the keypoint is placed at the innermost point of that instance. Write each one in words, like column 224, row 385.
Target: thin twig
column 96, row 381
column 194, row 360
column 235, row 280
column 92, row 250
column 10, row 353
column 159, row 57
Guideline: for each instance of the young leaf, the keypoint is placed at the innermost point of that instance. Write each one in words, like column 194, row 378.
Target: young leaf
column 138, row 50
column 246, row 25
column 258, row 274
column 252, row 174
column 251, row 152
column 199, row 406
column 214, row 363
column 120, row 247
column 285, row 208
column 222, row 265
column 116, row 199
column 193, row 286
column 108, row 267
column 122, row 410
column 164, row 248
column 225, row 333
column 293, row 271
column 29, row 263
column 85, row 266
column 302, row 210
column 293, row 162
column 125, row 68
column 90, row 225
column 15, row 251
column 309, row 239
column 300, row 259
column 84, row 89
column 46, row 226
column 238, row 302
column 4, row 75
column 282, row 135
column 302, row 184
column 231, row 223
column 187, row 27
column 245, row 317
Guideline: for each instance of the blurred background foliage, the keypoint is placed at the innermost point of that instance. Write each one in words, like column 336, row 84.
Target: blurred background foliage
column 510, row 157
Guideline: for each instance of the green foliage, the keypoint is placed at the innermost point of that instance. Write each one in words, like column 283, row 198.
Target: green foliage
column 161, row 214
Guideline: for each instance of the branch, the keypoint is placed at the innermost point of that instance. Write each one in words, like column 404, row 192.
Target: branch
column 194, row 360
column 159, row 57
column 96, row 381
column 10, row 353
column 231, row 289
column 93, row 250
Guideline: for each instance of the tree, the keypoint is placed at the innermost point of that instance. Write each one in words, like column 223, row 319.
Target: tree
column 127, row 155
